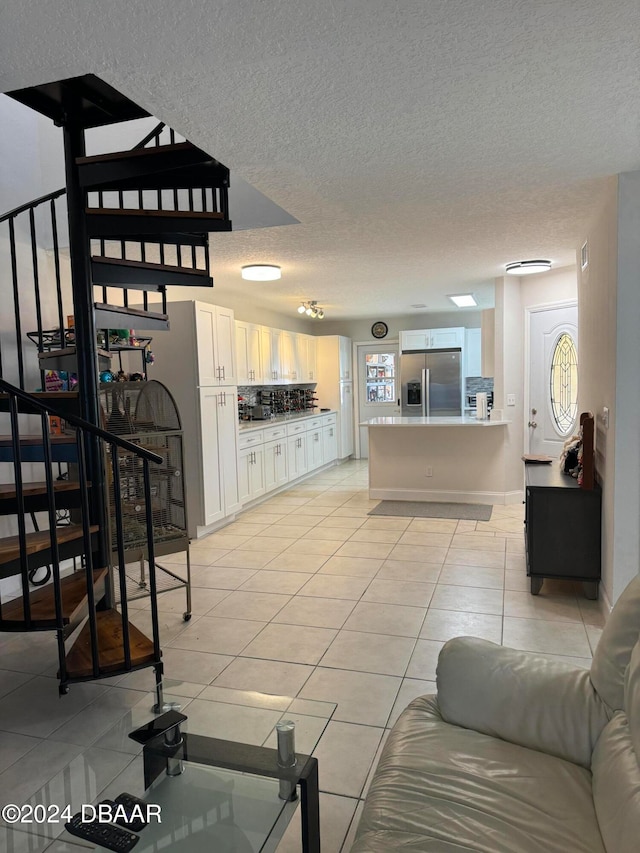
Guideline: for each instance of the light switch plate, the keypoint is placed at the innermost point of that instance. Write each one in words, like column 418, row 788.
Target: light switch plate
column 511, row 399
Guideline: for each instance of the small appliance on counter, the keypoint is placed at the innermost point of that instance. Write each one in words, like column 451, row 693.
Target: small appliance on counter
column 482, row 408
column 260, row 412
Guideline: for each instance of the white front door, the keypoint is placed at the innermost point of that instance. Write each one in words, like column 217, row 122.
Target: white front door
column 378, row 390
column 553, row 378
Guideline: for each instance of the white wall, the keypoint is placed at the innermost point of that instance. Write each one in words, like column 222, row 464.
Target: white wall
column 360, row 329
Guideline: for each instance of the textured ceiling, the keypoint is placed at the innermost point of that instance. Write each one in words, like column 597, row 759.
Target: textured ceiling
column 421, row 145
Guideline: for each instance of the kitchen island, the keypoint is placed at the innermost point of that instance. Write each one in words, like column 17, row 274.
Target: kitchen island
column 458, row 459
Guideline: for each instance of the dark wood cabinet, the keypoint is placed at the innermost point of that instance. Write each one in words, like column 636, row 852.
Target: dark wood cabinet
column 562, row 529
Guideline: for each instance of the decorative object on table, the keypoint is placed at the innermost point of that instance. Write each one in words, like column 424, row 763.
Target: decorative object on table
column 379, row 329
column 482, row 406
column 122, row 376
column 149, row 357
column 136, row 377
column 106, row 376
column 433, row 509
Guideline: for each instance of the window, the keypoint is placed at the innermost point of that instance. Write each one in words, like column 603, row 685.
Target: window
column 381, row 377
column 563, row 384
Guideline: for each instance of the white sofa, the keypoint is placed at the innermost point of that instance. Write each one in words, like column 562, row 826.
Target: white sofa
column 516, row 753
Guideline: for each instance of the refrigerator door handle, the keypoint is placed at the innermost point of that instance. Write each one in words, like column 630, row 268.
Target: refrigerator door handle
column 426, row 390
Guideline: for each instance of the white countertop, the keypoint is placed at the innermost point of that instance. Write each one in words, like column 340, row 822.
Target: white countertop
column 454, row 421
column 282, row 419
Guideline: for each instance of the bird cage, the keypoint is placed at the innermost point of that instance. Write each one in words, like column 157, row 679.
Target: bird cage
column 145, row 414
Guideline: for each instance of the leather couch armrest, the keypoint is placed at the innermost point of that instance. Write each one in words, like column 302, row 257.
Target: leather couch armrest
column 520, row 697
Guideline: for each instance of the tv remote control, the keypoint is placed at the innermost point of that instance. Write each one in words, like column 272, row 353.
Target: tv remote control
column 138, row 821
column 103, row 834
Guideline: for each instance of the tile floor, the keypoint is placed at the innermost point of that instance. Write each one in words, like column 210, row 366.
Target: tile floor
column 304, row 596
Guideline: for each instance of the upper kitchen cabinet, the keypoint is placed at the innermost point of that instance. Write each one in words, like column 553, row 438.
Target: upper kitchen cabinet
column 310, row 373
column 271, row 367
column 215, row 344
column 334, row 358
column 346, row 369
column 249, row 361
column 472, row 352
column 289, row 369
column 421, row 339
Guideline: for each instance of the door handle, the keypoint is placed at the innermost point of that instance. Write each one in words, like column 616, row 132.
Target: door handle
column 532, row 424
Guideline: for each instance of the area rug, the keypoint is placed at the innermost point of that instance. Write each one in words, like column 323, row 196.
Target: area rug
column 433, row 509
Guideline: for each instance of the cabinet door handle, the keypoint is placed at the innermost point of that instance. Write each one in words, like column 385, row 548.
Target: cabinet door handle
column 223, row 374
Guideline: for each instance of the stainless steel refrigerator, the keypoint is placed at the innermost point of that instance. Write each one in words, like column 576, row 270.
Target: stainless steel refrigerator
column 431, row 383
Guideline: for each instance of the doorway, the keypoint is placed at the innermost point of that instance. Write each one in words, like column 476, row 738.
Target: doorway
column 552, row 411
column 378, row 390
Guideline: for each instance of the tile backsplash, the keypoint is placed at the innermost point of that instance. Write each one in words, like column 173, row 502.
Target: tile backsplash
column 473, row 384
column 282, row 399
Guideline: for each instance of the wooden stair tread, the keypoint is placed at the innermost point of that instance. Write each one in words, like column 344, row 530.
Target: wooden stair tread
column 130, row 312
column 148, row 151
column 147, row 265
column 27, row 440
column 110, row 647
column 40, row 541
column 73, row 590
column 178, row 214
column 8, row 490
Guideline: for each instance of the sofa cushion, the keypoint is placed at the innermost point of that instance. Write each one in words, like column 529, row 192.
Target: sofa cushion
column 440, row 787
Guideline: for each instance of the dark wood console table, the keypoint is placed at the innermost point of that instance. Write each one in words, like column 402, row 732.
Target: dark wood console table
column 562, row 529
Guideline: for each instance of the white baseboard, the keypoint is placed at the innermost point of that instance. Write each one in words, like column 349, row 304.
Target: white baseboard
column 446, row 496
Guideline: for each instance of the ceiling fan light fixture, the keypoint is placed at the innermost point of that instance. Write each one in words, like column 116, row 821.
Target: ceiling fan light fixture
column 528, row 267
column 261, row 272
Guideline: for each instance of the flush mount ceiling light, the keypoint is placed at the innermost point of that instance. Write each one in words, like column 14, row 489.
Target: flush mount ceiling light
column 528, row 267
column 311, row 309
column 261, row 272
column 464, row 300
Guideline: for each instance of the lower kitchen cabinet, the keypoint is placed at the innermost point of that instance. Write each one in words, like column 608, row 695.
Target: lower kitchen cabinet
column 218, row 427
column 314, row 449
column 251, row 479
column 329, row 443
column 297, row 455
column 276, row 469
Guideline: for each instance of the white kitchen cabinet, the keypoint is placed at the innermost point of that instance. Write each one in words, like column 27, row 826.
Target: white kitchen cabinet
column 276, row 470
column 297, row 455
column 215, row 342
column 315, row 454
column 218, row 430
column 288, row 357
column 346, row 371
column 329, row 443
column 251, row 480
column 473, row 352
column 311, row 367
column 421, row 339
column 417, row 339
column 270, row 340
column 248, row 353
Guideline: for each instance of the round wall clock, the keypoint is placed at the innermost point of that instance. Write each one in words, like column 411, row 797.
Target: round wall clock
column 379, row 330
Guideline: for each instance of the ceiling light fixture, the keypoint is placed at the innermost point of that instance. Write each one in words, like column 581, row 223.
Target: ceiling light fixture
column 261, row 272
column 311, row 309
column 464, row 300
column 528, row 267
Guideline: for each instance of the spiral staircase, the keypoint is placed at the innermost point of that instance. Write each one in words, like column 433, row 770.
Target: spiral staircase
column 138, row 222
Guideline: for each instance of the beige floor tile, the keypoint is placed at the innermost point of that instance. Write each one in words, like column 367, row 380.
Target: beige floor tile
column 515, row 562
column 410, row 689
column 468, row 526
column 245, row 528
column 375, row 550
column 403, row 570
column 591, row 612
column 288, row 502
column 503, row 525
column 270, row 544
column 222, row 636
column 283, row 583
column 302, row 519
column 231, row 722
column 419, row 553
column 265, row 676
column 399, row 592
column 389, row 537
column 255, row 516
column 335, row 586
column 346, row 522
column 241, row 559
column 479, row 541
column 308, row 545
column 204, row 556
column 260, row 606
column 467, row 557
column 345, row 753
column 317, row 612
column 219, row 577
column 472, row 576
column 395, row 619
column 517, row 581
column 294, row 643
column 539, row 635
column 424, row 660
column 365, row 652
column 315, row 512
column 380, row 522
column 362, row 697
column 527, row 606
column 337, row 534
column 433, row 525
column 411, row 537
column 443, row 625
column 175, row 601
column 336, row 817
column 288, row 562
column 351, row 567
column 198, row 667
column 515, row 546
column 593, row 635
column 330, row 499
column 287, row 531
column 467, row 599
column 220, row 540
column 346, row 511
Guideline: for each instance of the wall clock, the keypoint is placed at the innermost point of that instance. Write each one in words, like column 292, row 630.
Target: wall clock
column 379, row 330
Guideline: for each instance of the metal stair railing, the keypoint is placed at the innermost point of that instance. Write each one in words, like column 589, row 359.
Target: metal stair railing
column 83, row 429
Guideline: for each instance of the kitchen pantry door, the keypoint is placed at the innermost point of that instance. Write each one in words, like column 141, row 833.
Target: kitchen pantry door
column 553, row 378
column 378, row 386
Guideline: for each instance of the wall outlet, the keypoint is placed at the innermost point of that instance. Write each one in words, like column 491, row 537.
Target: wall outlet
column 429, row 472
column 511, row 399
